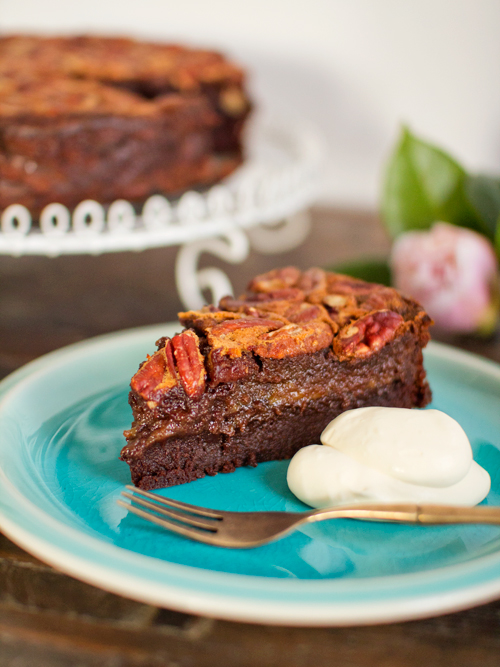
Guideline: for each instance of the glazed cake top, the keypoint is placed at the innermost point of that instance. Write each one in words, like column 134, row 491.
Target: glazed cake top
column 91, row 72
column 115, row 59
column 284, row 314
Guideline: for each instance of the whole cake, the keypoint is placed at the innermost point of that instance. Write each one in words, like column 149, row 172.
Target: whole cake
column 259, row 377
column 108, row 118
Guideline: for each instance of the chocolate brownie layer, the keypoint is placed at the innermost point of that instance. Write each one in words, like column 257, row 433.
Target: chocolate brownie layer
column 262, row 376
column 107, row 118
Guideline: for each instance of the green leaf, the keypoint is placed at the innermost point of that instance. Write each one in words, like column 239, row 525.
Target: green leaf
column 373, row 270
column 483, row 193
column 497, row 238
column 422, row 185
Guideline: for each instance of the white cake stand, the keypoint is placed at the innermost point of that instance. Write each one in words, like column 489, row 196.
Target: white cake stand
column 263, row 204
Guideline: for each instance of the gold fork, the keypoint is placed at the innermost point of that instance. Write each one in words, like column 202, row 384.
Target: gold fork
column 251, row 529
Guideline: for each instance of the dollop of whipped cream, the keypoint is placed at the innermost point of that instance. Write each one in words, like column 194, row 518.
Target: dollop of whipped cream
column 389, row 455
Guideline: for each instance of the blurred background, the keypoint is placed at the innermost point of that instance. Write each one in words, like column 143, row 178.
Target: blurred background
column 356, row 69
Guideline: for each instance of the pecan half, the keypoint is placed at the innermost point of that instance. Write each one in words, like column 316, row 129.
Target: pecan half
column 277, row 279
column 169, row 356
column 285, row 294
column 157, row 375
column 190, row 363
column 202, row 320
column 230, row 326
column 367, row 335
column 261, row 299
column 294, row 339
column 312, row 280
column 342, row 309
column 231, row 304
column 304, row 312
column 337, row 283
column 149, row 376
column 384, row 298
column 339, row 301
column 236, row 337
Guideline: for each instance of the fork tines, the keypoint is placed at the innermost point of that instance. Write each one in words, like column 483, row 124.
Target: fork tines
column 179, row 517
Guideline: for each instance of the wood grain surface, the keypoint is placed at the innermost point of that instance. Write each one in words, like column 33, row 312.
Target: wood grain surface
column 48, row 619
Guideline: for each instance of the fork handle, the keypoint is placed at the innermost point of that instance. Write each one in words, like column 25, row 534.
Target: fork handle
column 443, row 514
column 405, row 513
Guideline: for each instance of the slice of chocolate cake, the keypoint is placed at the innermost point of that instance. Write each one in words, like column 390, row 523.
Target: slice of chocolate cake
column 259, row 377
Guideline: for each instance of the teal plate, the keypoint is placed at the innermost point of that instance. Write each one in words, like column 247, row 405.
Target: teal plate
column 61, row 423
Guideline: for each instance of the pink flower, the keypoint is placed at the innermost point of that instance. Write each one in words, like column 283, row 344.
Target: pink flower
column 452, row 272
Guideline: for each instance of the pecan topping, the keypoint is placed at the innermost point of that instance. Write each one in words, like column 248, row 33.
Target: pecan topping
column 342, row 309
column 294, row 339
column 231, row 326
column 287, row 314
column 288, row 294
column 338, row 301
column 277, row 279
column 261, row 299
column 169, row 355
column 384, row 298
column 231, row 304
column 251, row 311
column 190, row 363
column 149, row 375
column 337, row 283
column 231, row 344
column 202, row 320
column 368, row 334
column 304, row 312
column 312, row 280
column 235, row 337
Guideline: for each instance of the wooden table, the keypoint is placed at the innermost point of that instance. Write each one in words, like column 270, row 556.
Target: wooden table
column 48, row 619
